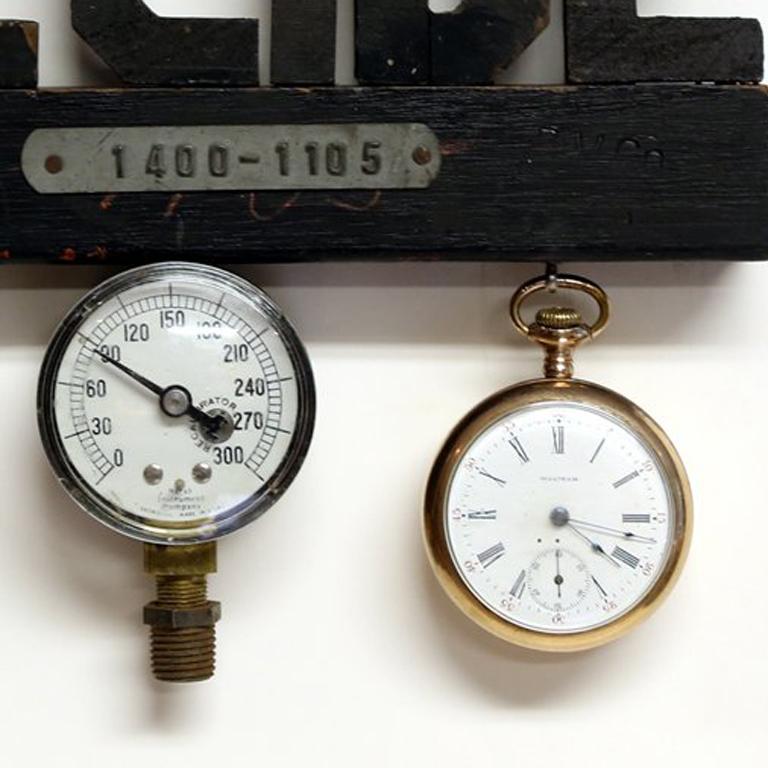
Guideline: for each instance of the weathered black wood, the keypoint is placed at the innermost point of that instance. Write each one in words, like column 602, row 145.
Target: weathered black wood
column 607, row 43
column 18, row 54
column 609, row 173
column 304, row 42
column 392, row 42
column 482, row 37
column 146, row 49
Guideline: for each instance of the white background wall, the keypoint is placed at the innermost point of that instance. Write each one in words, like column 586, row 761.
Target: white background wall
column 337, row 647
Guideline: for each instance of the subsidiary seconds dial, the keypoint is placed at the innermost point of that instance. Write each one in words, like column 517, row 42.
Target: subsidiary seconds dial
column 176, row 403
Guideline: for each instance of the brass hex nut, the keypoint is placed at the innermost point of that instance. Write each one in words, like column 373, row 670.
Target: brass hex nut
column 189, row 618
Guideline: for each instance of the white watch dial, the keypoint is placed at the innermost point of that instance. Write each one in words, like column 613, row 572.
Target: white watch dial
column 559, row 518
column 177, row 400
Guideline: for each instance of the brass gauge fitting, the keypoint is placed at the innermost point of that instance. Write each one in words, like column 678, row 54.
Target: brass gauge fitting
column 182, row 619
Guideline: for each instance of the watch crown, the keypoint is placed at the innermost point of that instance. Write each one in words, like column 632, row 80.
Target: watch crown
column 558, row 318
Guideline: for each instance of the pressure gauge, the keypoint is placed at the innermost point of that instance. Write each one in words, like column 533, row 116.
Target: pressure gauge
column 176, row 404
column 558, row 513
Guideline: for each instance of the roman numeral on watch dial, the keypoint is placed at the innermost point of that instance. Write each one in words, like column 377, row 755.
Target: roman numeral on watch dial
column 486, row 514
column 495, row 479
column 600, row 587
column 491, row 555
column 636, row 518
column 627, row 479
column 625, row 557
column 558, row 438
column 597, row 451
column 519, row 586
column 519, row 450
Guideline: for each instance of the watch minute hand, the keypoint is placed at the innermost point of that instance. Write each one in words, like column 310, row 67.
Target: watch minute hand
column 612, row 531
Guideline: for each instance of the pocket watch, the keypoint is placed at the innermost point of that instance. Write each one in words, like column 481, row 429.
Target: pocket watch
column 558, row 514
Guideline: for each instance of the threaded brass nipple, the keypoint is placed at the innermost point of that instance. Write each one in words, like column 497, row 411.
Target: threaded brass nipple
column 182, row 619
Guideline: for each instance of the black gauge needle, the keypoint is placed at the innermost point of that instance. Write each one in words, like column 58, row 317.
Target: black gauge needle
column 145, row 382
column 612, row 531
column 175, row 401
column 594, row 546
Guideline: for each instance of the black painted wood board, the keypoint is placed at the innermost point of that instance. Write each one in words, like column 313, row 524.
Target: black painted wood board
column 143, row 48
column 481, row 37
column 304, row 42
column 392, row 42
column 563, row 173
column 607, row 42
column 18, row 53
column 402, row 42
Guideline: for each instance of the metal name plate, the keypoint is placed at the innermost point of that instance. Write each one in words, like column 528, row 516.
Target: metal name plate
column 231, row 157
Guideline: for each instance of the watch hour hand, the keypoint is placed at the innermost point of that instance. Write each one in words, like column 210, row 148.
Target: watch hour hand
column 594, row 546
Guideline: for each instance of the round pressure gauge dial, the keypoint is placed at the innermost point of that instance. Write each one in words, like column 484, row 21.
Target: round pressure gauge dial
column 176, row 403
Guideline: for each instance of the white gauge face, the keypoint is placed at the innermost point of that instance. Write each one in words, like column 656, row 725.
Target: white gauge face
column 559, row 518
column 176, row 399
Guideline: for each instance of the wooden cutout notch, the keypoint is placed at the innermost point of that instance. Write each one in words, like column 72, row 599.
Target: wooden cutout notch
column 304, row 42
column 143, row 48
column 402, row 42
column 19, row 45
column 607, row 42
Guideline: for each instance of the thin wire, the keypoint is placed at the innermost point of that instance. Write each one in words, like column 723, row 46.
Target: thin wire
column 553, row 277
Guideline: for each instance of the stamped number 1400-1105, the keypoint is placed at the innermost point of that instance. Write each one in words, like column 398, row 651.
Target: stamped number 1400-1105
column 205, row 158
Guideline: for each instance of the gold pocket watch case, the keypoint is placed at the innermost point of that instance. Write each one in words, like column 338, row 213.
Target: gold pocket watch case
column 558, row 514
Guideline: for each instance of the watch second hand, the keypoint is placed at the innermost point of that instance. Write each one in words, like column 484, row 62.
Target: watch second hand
column 594, row 546
column 614, row 531
column 558, row 579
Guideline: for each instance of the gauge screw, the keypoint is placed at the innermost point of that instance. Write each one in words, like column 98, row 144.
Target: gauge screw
column 182, row 619
column 153, row 474
column 202, row 473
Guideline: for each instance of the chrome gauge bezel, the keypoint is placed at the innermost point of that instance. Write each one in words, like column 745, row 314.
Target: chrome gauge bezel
column 121, row 520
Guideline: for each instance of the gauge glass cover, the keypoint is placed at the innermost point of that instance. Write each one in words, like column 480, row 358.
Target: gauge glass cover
column 144, row 465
